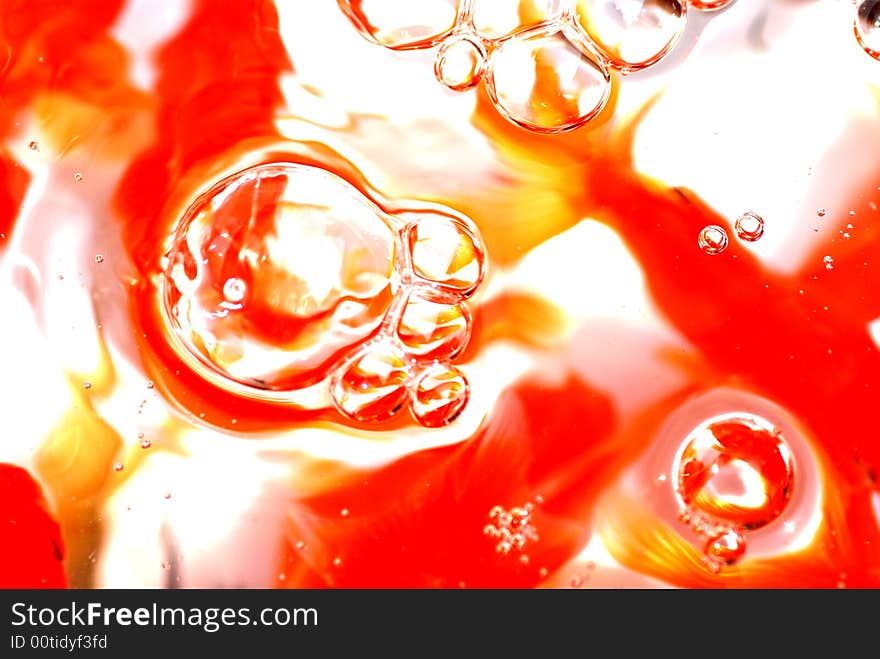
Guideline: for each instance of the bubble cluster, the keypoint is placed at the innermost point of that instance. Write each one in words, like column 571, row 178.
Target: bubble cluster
column 284, row 279
column 545, row 63
column 511, row 529
column 734, row 473
column 867, row 27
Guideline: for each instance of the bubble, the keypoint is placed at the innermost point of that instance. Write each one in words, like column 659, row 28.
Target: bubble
column 118, row 466
column 632, row 35
column 87, row 385
column 713, row 239
column 146, row 443
column 440, row 395
column 34, row 146
column 234, row 290
column 99, row 258
column 300, row 545
column 446, row 252
column 273, row 274
column 829, row 262
column 867, row 27
column 820, row 212
column 337, row 561
column 432, row 329
column 494, row 19
column 710, row 5
column 402, row 25
column 459, row 63
column 725, row 548
column 77, row 177
column 343, row 512
column 151, row 384
column 544, row 82
column 737, row 469
column 167, row 495
column 749, row 226
column 373, row 385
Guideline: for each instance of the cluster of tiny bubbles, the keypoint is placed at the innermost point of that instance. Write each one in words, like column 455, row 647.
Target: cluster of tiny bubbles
column 713, row 239
column 512, row 530
column 284, row 277
column 867, row 27
column 829, row 262
column 733, row 473
column 749, row 227
column 545, row 63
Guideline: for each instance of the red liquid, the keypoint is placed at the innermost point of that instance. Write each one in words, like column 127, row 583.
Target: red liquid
column 419, row 522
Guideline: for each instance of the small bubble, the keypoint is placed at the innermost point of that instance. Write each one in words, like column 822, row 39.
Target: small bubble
column 337, row 561
column 87, row 385
column 829, row 262
column 749, row 226
column 577, row 582
column 150, row 384
column 726, row 547
column 282, row 576
column 867, row 27
column 300, row 545
column 77, row 177
column 852, row 213
column 34, row 146
column 850, row 226
column 344, row 512
column 118, row 466
column 713, row 239
column 99, row 258
column 846, row 235
column 524, row 559
column 459, row 63
column 543, row 572
column 168, row 495
column 820, row 212
column 146, row 443
column 234, row 290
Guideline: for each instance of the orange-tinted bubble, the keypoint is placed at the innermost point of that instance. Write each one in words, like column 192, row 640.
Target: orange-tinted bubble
column 725, row 548
column 446, row 252
column 459, row 63
column 546, row 83
column 274, row 273
column 735, row 469
column 373, row 385
column 867, row 27
column 749, row 227
column 441, row 393
column 713, row 239
column 632, row 35
column 432, row 329
column 402, row 25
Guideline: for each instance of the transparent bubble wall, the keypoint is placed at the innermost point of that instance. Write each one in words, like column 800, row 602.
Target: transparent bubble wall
column 283, row 277
column 546, row 64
